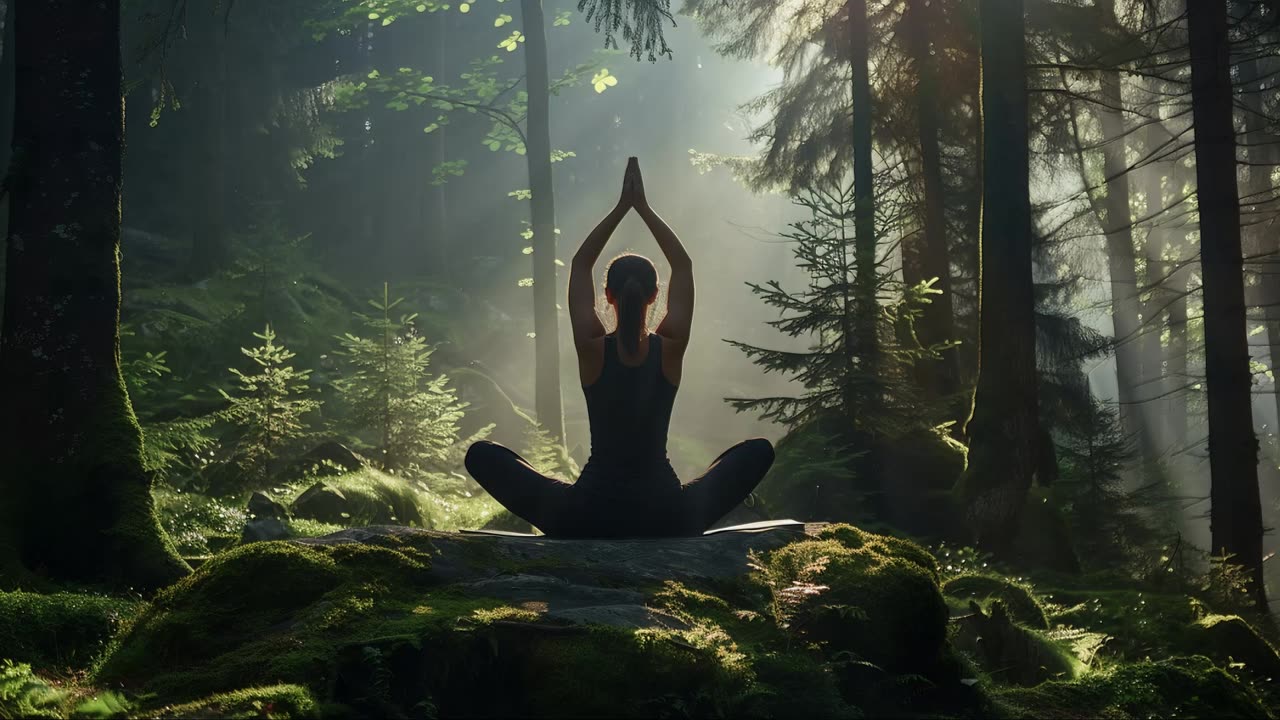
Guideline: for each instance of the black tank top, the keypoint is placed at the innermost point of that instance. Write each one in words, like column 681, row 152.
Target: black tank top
column 629, row 409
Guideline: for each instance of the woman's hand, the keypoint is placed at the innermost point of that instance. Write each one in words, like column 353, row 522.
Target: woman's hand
column 633, row 186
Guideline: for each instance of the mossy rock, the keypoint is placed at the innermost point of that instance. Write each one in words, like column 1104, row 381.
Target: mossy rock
column 1018, row 601
column 400, row 622
column 1230, row 639
column 275, row 701
column 1008, row 652
column 60, row 630
column 1176, row 687
column 883, row 602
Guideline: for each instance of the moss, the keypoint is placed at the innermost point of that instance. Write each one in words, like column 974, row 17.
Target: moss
column 883, row 601
column 1141, row 624
column 1177, row 687
column 59, row 631
column 1010, row 653
column 241, row 594
column 275, row 702
column 1017, row 598
column 1229, row 639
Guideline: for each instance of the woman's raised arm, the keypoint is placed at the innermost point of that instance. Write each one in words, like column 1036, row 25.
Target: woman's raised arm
column 582, row 294
column 677, row 323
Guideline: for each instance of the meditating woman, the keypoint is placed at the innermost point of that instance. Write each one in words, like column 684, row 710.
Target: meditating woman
column 630, row 378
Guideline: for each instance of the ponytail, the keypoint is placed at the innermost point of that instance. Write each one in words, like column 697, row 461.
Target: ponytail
column 631, row 307
column 633, row 280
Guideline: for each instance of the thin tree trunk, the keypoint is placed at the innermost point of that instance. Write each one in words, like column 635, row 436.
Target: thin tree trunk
column 67, row 430
column 864, row 202
column 1236, row 511
column 1004, row 430
column 546, row 318
column 1155, row 385
column 1121, row 262
column 932, row 256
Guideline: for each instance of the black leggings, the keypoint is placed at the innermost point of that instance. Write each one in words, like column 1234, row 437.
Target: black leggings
column 563, row 509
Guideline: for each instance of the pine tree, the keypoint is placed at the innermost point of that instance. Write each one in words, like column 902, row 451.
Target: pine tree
column 269, row 406
column 411, row 418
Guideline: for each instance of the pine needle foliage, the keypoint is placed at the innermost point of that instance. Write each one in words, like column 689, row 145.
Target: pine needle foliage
column 862, row 380
column 269, row 405
column 409, row 418
column 639, row 21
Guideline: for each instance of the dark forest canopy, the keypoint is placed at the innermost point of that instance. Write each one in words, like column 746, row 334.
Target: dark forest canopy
column 995, row 277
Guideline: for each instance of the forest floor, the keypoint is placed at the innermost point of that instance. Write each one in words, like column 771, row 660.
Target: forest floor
column 816, row 620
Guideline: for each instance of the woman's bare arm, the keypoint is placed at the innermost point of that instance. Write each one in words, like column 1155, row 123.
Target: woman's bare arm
column 679, row 318
column 582, row 294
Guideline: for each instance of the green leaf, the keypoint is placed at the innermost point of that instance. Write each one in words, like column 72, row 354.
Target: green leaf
column 501, row 20
column 374, row 16
column 603, row 80
column 464, row 8
column 421, row 8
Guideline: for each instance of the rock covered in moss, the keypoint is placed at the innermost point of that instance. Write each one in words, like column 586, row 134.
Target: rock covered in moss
column 882, row 601
column 396, row 621
column 1229, row 639
column 60, row 630
column 1009, row 652
column 1018, row 601
column 322, row 502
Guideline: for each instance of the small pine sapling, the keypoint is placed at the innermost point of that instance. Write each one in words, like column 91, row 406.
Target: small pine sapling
column 269, row 406
column 411, row 419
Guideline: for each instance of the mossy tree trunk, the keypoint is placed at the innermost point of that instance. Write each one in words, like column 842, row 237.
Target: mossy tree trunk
column 77, row 504
column 1235, row 515
column 546, row 318
column 1004, row 430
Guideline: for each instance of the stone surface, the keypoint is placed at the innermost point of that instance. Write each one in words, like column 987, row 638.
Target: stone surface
column 324, row 460
column 322, row 502
column 265, row 528
column 261, row 506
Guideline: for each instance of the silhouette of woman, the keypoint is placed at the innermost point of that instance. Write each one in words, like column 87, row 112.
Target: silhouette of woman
column 630, row 377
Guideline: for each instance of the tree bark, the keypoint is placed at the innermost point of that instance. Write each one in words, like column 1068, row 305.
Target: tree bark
column 864, row 202
column 1121, row 261
column 1235, row 515
column 77, row 504
column 1258, row 234
column 930, row 256
column 1004, row 430
column 546, row 317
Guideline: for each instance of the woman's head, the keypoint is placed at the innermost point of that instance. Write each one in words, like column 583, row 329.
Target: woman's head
column 631, row 286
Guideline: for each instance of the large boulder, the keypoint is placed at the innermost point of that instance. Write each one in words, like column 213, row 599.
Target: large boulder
column 394, row 621
column 324, row 460
column 322, row 502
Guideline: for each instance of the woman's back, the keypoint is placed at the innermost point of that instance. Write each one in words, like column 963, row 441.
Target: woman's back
column 629, row 409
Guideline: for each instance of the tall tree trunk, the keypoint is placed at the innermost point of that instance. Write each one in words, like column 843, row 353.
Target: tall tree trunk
column 67, row 431
column 1005, row 429
column 6, row 117
column 546, row 318
column 1235, row 516
column 1177, row 351
column 1258, row 216
column 1155, row 384
column 864, row 201
column 930, row 257
column 1121, row 261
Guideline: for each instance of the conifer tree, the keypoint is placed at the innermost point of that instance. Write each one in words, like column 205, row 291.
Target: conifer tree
column 269, row 406
column 410, row 418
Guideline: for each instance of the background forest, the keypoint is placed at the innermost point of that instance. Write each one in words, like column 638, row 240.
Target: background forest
column 1014, row 301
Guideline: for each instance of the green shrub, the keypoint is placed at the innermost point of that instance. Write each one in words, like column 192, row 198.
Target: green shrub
column 61, row 630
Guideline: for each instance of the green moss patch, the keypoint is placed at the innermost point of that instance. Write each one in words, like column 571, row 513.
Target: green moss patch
column 1177, row 687
column 1018, row 600
column 882, row 603
column 275, row 702
column 61, row 630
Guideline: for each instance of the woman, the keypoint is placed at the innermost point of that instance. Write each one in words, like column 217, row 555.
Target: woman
column 630, row 378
